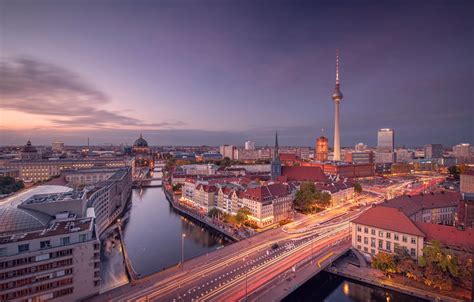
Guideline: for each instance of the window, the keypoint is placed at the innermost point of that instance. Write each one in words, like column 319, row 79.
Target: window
column 380, row 244
column 372, row 242
column 412, row 252
column 366, row 230
column 366, row 240
column 23, row 248
column 372, row 251
column 359, row 239
column 82, row 237
column 388, row 246
column 388, row 235
column 359, row 228
column 404, row 238
column 395, row 236
column 365, row 249
column 3, row 251
column 380, row 234
column 413, row 240
column 372, row 231
column 65, row 240
column 45, row 244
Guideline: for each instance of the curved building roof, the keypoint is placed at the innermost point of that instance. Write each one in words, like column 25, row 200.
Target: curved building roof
column 140, row 142
column 29, row 148
column 16, row 220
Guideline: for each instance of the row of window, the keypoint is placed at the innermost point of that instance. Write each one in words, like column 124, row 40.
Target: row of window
column 35, row 269
column 387, row 247
column 23, row 261
column 37, row 289
column 388, row 235
column 35, row 279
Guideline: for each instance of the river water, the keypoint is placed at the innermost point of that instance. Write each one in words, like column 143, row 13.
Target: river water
column 152, row 236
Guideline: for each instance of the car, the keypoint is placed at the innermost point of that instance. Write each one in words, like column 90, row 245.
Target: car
column 274, row 246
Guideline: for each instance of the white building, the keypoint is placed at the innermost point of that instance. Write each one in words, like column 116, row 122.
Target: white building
column 228, row 151
column 249, row 145
column 383, row 229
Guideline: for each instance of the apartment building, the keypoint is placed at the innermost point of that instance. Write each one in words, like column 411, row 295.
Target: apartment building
column 46, row 258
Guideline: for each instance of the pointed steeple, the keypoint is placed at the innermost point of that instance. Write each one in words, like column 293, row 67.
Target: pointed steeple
column 275, row 150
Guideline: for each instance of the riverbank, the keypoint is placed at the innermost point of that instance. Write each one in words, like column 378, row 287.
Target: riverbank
column 346, row 268
column 198, row 217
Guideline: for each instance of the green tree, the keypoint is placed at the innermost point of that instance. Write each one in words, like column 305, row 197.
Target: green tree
column 384, row 262
column 9, row 185
column 439, row 267
column 357, row 188
column 214, row 213
column 242, row 215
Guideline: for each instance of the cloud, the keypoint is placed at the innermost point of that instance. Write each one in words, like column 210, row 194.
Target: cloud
column 64, row 98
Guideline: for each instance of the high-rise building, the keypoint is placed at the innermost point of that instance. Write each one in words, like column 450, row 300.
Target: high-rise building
column 385, row 146
column 337, row 97
column 57, row 146
column 385, row 140
column 276, row 163
column 249, row 145
column 433, row 151
column 405, row 155
column 228, row 151
column 322, row 148
column 462, row 150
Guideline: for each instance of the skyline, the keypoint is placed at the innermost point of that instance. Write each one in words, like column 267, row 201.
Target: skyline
column 185, row 74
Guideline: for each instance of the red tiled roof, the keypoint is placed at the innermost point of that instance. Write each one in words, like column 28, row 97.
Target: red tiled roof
column 413, row 204
column 388, row 219
column 265, row 193
column 448, row 235
column 303, row 173
column 288, row 157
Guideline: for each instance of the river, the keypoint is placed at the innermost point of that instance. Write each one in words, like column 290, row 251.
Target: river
column 152, row 236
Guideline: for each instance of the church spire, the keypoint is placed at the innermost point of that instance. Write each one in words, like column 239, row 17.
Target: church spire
column 275, row 151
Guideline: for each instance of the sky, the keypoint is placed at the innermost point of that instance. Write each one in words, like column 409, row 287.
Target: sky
column 214, row 72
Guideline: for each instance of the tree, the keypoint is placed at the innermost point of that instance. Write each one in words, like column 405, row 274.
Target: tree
column 357, row 188
column 214, row 213
column 308, row 198
column 439, row 267
column 9, row 185
column 384, row 262
column 242, row 215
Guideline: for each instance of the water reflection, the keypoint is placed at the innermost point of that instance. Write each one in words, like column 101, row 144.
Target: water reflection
column 332, row 288
column 152, row 234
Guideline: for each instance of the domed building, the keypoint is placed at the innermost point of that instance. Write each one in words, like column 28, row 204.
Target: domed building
column 29, row 152
column 142, row 152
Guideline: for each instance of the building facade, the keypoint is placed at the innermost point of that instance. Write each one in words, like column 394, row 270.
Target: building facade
column 322, row 149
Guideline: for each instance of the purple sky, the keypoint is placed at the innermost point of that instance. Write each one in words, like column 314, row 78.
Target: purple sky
column 214, row 72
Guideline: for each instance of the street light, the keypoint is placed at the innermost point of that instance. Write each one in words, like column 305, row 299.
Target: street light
column 182, row 250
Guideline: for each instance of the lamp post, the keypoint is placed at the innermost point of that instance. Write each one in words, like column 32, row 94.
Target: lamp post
column 182, row 250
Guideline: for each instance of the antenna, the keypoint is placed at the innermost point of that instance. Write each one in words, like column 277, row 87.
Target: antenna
column 337, row 65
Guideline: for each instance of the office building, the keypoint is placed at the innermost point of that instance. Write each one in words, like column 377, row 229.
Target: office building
column 404, row 156
column 433, row 151
column 228, row 151
column 359, row 157
column 360, row 147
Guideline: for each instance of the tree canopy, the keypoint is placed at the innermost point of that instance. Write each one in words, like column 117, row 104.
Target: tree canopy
column 9, row 185
column 309, row 199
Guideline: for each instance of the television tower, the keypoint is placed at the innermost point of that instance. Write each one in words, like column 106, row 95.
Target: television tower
column 337, row 97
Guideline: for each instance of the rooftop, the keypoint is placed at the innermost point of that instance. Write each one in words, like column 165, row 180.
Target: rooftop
column 54, row 197
column 18, row 220
column 448, row 235
column 410, row 205
column 54, row 229
column 390, row 219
